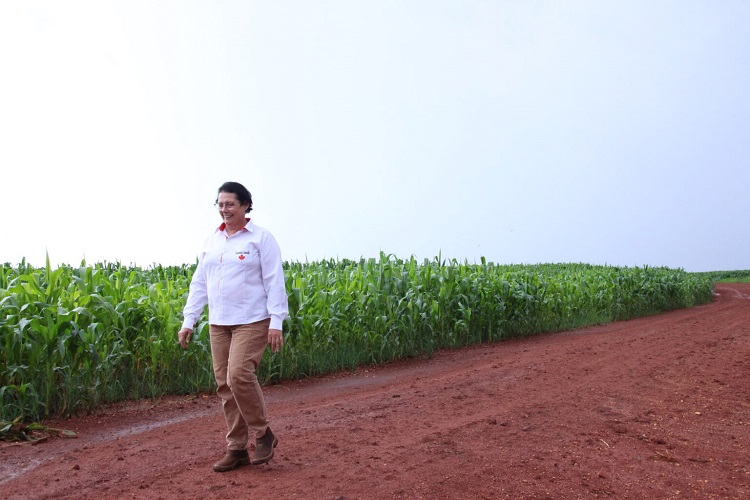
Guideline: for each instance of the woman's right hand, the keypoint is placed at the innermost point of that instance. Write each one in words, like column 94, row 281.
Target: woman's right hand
column 184, row 337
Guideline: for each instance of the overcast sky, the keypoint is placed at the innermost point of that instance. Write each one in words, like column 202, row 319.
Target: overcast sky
column 523, row 131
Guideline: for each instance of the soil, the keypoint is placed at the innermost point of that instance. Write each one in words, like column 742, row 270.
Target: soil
column 657, row 407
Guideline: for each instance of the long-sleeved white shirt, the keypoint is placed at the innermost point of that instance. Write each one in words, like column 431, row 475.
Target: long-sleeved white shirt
column 241, row 278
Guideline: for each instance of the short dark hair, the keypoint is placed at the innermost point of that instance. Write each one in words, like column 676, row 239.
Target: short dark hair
column 243, row 195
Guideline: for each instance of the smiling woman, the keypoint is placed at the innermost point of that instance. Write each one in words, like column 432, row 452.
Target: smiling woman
column 240, row 276
column 234, row 202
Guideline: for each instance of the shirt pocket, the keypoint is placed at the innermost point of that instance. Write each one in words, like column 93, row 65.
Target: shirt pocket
column 247, row 256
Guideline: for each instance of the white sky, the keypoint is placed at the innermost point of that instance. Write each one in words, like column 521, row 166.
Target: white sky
column 523, row 131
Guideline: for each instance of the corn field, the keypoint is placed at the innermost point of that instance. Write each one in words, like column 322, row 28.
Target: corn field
column 73, row 338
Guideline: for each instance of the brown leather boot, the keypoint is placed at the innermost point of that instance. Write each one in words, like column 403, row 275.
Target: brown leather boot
column 264, row 448
column 232, row 460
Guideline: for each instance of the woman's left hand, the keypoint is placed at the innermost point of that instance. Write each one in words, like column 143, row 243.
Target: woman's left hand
column 275, row 339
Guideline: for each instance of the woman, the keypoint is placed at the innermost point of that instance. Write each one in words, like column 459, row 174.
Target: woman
column 240, row 275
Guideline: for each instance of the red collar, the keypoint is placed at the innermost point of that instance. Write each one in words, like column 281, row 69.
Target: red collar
column 224, row 225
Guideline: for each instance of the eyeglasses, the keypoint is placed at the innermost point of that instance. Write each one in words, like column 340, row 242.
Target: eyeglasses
column 230, row 205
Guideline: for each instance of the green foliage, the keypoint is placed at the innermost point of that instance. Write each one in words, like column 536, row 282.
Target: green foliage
column 739, row 276
column 73, row 338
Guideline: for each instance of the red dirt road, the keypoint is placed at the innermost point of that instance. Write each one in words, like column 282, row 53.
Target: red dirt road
column 657, row 407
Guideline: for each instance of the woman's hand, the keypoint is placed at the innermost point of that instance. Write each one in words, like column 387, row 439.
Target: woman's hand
column 275, row 339
column 184, row 337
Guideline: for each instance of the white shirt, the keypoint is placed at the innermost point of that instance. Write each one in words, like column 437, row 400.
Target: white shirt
column 241, row 278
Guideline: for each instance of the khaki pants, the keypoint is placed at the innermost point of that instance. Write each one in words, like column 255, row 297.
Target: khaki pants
column 236, row 351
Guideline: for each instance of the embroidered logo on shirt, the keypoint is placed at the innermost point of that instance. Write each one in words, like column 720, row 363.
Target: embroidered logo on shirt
column 241, row 255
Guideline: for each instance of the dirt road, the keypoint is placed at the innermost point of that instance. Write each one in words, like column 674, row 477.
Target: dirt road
column 657, row 407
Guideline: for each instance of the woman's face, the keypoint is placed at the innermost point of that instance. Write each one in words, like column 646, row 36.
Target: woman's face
column 230, row 210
